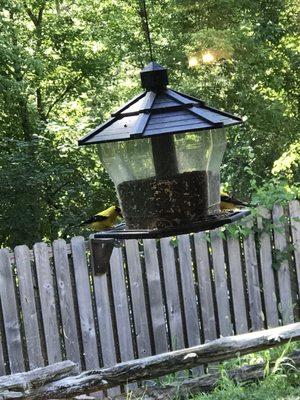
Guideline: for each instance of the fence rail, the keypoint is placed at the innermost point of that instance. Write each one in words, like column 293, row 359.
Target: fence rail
column 158, row 295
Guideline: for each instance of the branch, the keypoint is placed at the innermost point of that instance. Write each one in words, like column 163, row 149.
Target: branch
column 35, row 19
column 60, row 97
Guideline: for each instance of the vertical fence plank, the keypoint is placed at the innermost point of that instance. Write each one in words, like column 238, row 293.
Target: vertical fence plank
column 138, row 298
column 10, row 314
column 188, row 289
column 172, row 294
column 2, row 362
column 294, row 208
column 124, row 331
column 256, row 312
column 222, row 294
column 83, row 290
column 104, row 315
column 155, row 296
column 283, row 273
column 237, row 285
column 105, row 321
column 192, row 322
column 66, row 302
column 47, row 297
column 205, row 287
column 29, row 311
column 121, row 305
column 267, row 271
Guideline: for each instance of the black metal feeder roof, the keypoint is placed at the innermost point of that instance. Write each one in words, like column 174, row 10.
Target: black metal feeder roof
column 158, row 111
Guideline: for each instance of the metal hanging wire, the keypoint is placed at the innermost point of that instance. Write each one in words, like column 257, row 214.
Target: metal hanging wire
column 145, row 20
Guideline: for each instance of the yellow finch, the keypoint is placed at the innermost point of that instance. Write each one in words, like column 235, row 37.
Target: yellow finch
column 104, row 219
column 230, row 203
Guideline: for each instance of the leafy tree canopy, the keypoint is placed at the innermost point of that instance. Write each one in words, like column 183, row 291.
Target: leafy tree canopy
column 65, row 65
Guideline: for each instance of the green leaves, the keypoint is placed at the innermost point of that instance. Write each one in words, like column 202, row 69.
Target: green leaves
column 65, row 65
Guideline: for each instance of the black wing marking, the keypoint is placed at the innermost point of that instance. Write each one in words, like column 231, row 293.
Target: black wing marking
column 228, row 199
column 95, row 218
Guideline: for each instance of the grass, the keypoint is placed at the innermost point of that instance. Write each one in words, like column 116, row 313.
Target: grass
column 274, row 387
column 281, row 382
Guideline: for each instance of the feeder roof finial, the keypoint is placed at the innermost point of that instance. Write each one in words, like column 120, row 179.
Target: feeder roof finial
column 154, row 77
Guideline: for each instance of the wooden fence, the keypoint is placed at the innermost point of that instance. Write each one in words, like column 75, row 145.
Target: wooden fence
column 158, row 296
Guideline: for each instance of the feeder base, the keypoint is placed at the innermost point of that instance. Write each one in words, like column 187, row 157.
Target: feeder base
column 208, row 223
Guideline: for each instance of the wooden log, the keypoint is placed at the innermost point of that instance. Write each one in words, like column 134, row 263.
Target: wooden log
column 162, row 364
column 24, row 381
column 206, row 383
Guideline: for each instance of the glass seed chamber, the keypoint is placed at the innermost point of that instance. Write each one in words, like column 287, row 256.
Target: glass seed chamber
column 167, row 180
column 163, row 150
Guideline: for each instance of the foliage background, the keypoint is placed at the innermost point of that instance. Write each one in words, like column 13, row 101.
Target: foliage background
column 66, row 64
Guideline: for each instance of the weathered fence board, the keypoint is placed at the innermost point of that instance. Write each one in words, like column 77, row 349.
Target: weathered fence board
column 64, row 287
column 192, row 322
column 221, row 287
column 10, row 314
column 29, row 311
column 47, row 298
column 237, row 285
column 294, row 208
column 83, row 293
column 188, row 291
column 138, row 298
column 121, row 308
column 104, row 315
column 205, row 287
column 2, row 361
column 253, row 284
column 172, row 294
column 121, row 305
column 267, row 270
column 283, row 272
column 155, row 296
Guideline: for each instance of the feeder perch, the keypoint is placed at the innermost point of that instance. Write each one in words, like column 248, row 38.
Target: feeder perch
column 163, row 150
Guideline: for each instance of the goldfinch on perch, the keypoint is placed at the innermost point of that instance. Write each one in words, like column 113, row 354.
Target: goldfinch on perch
column 104, row 219
column 230, row 203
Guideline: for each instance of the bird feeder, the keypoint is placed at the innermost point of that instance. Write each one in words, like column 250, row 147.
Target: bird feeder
column 163, row 150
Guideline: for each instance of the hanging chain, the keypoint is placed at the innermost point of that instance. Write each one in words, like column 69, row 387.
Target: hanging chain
column 144, row 15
